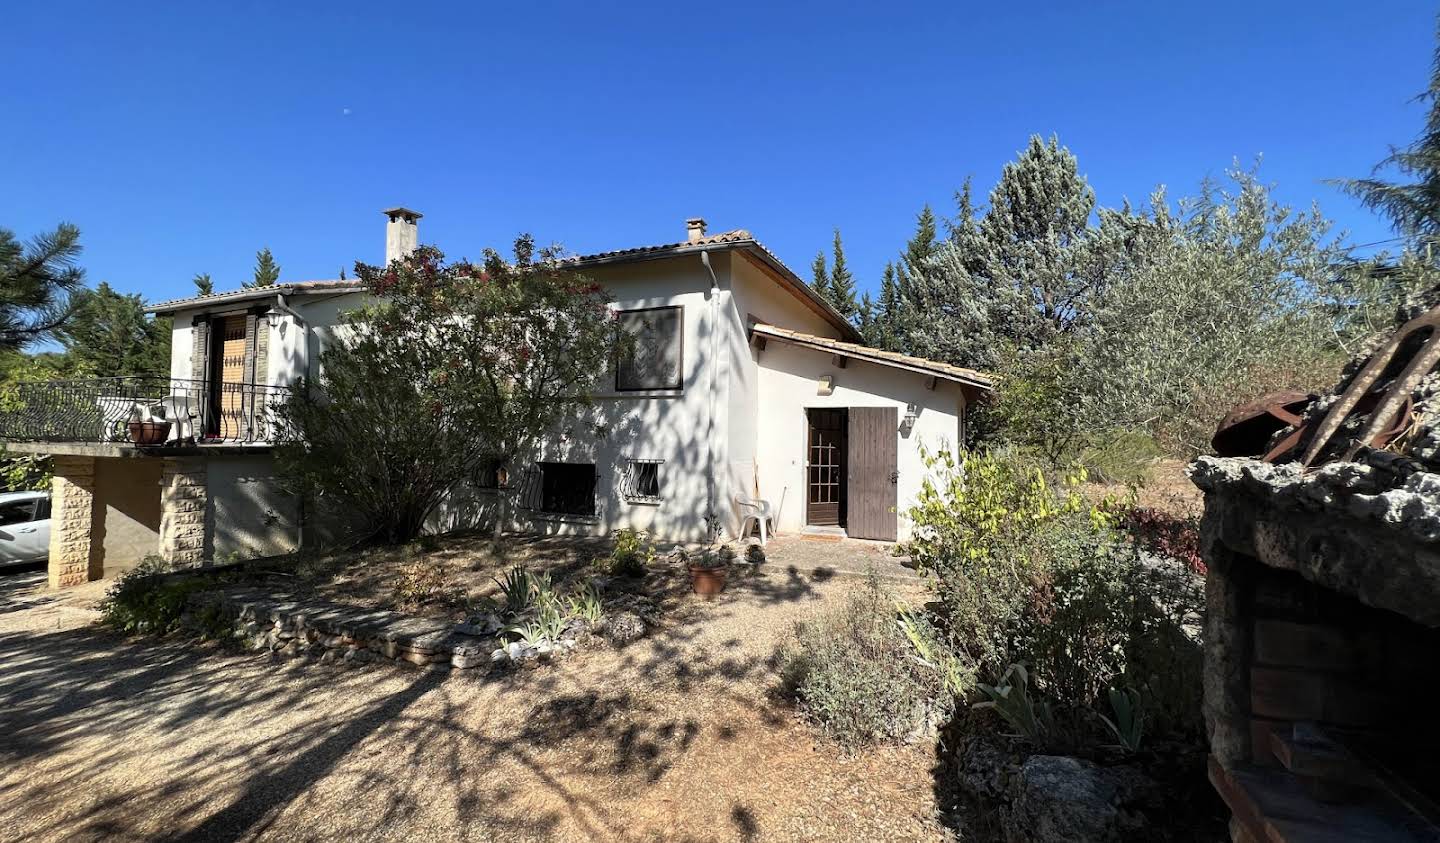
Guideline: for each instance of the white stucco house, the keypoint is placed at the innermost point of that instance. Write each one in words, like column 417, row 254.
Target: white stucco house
column 746, row 384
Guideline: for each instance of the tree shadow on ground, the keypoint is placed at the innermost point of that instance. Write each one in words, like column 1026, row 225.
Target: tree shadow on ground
column 105, row 737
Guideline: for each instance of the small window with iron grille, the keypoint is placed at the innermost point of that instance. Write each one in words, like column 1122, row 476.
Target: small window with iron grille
column 642, row 481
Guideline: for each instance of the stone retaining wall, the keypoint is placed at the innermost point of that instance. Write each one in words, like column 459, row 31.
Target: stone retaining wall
column 336, row 633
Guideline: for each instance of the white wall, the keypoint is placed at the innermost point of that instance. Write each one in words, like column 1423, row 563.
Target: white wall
column 788, row 382
column 671, row 425
column 249, row 514
column 755, row 428
column 755, row 295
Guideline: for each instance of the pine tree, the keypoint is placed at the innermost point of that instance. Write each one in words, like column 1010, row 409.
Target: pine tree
column 1413, row 207
column 203, row 285
column 842, row 283
column 267, row 271
column 37, row 284
column 820, row 276
column 110, row 335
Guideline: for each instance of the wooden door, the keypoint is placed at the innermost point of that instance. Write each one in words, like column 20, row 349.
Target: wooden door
column 825, row 457
column 228, row 378
column 873, row 450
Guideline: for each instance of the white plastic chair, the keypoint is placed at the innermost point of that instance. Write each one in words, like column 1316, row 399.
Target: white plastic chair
column 754, row 509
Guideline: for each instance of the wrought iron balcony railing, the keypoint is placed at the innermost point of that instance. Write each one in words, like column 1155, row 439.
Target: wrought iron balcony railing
column 153, row 411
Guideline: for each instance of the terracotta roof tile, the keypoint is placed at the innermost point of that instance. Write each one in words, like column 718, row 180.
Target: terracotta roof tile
column 875, row 355
column 248, row 293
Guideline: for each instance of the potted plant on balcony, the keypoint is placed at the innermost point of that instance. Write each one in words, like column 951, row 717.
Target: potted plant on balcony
column 708, row 571
column 148, row 426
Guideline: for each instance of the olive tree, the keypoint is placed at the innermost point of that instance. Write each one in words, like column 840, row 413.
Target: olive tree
column 446, row 366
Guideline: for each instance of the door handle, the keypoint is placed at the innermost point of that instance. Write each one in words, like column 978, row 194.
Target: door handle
column 26, row 530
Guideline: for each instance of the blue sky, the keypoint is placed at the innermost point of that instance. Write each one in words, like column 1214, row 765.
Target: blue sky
column 182, row 143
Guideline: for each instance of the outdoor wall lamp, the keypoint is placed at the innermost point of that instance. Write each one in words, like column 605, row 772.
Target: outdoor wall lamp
column 825, row 385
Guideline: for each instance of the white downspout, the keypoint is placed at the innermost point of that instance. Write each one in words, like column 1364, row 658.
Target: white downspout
column 712, row 521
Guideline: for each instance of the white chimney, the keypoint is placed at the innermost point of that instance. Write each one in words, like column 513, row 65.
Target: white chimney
column 694, row 229
column 402, row 233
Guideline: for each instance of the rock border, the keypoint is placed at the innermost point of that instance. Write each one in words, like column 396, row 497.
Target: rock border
column 337, row 633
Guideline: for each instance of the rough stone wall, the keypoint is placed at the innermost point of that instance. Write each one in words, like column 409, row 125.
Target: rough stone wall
column 72, row 521
column 184, row 498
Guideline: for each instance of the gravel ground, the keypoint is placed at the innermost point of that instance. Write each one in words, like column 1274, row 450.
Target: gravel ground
column 677, row 737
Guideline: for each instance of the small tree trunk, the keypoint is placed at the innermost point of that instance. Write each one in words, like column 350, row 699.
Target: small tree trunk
column 501, row 510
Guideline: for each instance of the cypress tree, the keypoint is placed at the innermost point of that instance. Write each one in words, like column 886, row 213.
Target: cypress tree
column 842, row 283
column 267, row 271
column 922, row 244
column 887, row 330
column 820, row 276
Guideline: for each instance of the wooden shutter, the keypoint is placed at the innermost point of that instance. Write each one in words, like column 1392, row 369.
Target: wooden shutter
column 873, row 455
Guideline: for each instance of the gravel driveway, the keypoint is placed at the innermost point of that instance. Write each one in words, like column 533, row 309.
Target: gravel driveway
column 677, row 737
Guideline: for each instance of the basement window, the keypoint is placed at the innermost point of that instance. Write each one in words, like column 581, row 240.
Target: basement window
column 652, row 356
column 567, row 488
column 641, row 483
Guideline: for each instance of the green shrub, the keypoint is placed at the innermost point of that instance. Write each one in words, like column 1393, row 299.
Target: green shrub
column 1120, row 456
column 148, row 599
column 854, row 673
column 1025, row 572
column 631, row 554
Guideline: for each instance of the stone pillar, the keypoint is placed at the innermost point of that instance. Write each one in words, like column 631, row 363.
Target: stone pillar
column 1228, row 627
column 184, row 497
column 72, row 522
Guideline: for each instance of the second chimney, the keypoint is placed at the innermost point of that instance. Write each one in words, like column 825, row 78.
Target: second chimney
column 694, row 229
column 402, row 233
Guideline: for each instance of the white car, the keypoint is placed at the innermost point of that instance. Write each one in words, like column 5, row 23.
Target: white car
column 24, row 528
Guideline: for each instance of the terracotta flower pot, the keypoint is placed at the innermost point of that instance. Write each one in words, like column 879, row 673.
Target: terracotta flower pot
column 707, row 581
column 149, row 432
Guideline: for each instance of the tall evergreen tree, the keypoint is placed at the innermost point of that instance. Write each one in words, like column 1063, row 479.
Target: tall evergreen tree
column 820, row 276
column 37, row 282
column 203, row 285
column 923, row 243
column 1411, row 204
column 1015, row 277
column 842, row 283
column 267, row 271
column 110, row 335
column 886, row 330
column 867, row 320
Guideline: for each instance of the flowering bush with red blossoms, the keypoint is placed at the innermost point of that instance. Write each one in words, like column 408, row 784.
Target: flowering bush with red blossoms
column 445, row 367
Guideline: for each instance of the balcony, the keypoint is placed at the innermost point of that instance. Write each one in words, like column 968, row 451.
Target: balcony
column 137, row 412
